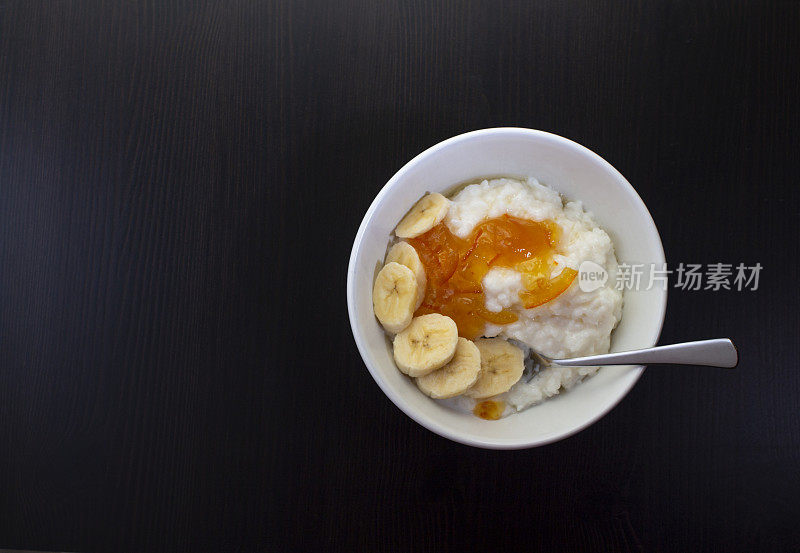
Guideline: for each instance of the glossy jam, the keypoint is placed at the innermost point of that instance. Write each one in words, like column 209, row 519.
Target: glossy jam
column 491, row 410
column 455, row 268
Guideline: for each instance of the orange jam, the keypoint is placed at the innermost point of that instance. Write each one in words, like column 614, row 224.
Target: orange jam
column 455, row 268
column 490, row 409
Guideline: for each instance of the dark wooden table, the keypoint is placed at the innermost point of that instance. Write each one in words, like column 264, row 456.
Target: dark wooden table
column 180, row 185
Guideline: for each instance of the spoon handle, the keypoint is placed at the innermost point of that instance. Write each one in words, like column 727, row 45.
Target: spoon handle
column 712, row 353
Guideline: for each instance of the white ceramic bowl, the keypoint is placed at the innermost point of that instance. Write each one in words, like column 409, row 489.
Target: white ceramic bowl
column 578, row 174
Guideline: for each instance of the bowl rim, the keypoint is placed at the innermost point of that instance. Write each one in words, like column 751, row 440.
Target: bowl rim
column 394, row 397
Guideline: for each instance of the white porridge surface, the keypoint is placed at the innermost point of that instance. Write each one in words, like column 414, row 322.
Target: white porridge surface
column 575, row 323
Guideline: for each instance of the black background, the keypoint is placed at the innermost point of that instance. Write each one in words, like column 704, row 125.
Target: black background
column 180, row 185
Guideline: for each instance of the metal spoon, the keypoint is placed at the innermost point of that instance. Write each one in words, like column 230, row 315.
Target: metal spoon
column 711, row 353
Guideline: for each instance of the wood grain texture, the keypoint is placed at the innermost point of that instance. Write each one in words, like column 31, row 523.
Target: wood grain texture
column 180, row 184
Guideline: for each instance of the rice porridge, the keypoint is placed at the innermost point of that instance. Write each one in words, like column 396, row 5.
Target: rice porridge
column 574, row 324
column 477, row 279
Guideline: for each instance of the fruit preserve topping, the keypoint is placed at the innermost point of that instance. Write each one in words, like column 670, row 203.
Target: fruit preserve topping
column 455, row 268
column 490, row 410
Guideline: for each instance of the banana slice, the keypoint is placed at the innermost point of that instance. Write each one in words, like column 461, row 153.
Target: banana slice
column 405, row 254
column 427, row 344
column 426, row 214
column 501, row 367
column 457, row 376
column 394, row 296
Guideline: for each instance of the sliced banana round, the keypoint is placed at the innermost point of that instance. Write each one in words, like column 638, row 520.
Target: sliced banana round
column 457, row 376
column 501, row 367
column 427, row 344
column 405, row 254
column 426, row 214
column 394, row 296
